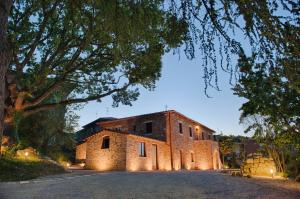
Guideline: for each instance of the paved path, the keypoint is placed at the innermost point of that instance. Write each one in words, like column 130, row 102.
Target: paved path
column 144, row 185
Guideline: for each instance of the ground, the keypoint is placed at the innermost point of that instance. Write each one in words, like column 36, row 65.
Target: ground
column 135, row 185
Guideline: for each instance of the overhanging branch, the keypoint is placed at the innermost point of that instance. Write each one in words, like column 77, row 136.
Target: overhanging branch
column 48, row 106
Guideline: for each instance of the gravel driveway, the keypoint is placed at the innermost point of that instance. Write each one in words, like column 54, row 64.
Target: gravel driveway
column 144, row 185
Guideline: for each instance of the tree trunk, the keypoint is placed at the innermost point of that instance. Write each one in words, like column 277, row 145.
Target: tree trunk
column 5, row 55
column 223, row 159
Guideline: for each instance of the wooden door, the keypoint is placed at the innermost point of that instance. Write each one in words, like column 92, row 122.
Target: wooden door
column 181, row 160
column 154, row 157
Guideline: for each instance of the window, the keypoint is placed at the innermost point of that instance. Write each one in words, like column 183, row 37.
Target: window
column 191, row 132
column 197, row 137
column 134, row 128
column 105, row 142
column 118, row 128
column 148, row 127
column 203, row 136
column 209, row 137
column 192, row 157
column 180, row 127
column 142, row 149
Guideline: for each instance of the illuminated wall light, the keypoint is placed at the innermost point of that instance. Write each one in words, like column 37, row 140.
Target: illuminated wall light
column 82, row 164
column 272, row 172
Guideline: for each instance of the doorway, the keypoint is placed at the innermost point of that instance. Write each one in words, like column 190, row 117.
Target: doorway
column 154, row 157
column 181, row 160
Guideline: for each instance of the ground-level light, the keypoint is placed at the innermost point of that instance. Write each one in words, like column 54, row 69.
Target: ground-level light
column 272, row 172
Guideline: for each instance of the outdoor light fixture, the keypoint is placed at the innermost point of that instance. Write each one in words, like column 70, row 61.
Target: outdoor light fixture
column 26, row 153
column 272, row 172
column 68, row 165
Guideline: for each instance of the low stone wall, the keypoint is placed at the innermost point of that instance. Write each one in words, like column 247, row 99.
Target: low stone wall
column 258, row 166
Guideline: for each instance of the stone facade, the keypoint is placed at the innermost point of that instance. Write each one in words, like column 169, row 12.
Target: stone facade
column 136, row 125
column 154, row 149
column 81, row 152
column 103, row 159
column 170, row 141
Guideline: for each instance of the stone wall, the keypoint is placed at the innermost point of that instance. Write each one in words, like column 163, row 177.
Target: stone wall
column 182, row 143
column 81, row 152
column 184, row 146
column 135, row 162
column 174, row 149
column 113, row 158
column 207, row 155
column 258, row 166
column 136, row 125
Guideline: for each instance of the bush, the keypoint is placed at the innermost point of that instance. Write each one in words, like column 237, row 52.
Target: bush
column 282, row 174
column 59, row 157
column 12, row 169
column 297, row 179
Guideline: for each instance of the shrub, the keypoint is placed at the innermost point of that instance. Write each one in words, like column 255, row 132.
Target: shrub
column 60, row 157
column 297, row 178
column 12, row 169
column 282, row 174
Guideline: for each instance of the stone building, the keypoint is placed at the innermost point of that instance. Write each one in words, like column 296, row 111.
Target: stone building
column 165, row 140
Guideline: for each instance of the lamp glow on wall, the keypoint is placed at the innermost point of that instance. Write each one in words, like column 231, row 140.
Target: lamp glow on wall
column 272, row 172
column 26, row 154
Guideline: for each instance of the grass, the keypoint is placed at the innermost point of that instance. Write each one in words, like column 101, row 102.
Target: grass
column 12, row 169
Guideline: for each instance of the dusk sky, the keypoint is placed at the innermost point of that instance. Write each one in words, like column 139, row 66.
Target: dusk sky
column 181, row 88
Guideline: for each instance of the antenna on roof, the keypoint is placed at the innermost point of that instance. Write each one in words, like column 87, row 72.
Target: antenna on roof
column 166, row 107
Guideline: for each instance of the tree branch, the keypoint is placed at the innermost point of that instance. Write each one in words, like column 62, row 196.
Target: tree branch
column 232, row 42
column 38, row 37
column 72, row 101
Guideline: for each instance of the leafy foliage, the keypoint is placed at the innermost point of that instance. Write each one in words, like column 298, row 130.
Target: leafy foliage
column 110, row 47
column 282, row 145
column 270, row 95
column 101, row 48
column 50, row 132
column 226, row 28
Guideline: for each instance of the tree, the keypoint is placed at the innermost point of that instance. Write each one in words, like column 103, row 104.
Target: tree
column 281, row 146
column 105, row 48
column 270, row 95
column 5, row 6
column 226, row 146
column 99, row 44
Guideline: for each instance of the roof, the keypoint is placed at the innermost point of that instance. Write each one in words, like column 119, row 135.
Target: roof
column 83, row 134
column 194, row 121
column 100, row 119
column 169, row 111
column 120, row 132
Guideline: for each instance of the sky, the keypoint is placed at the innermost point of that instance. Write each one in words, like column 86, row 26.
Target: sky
column 180, row 88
